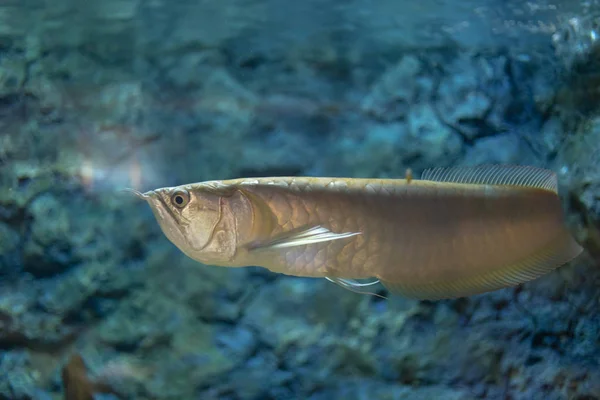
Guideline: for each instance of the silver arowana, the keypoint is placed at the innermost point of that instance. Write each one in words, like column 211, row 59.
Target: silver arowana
column 455, row 232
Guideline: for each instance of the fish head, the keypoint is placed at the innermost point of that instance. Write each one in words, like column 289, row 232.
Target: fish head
column 195, row 218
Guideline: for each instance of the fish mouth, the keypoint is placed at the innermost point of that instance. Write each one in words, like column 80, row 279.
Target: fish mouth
column 156, row 201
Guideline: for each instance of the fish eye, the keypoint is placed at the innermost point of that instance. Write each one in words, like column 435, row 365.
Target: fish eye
column 180, row 198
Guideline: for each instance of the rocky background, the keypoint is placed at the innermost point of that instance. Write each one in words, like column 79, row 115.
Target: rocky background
column 144, row 94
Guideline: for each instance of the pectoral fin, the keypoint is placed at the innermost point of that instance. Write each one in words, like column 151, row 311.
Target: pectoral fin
column 302, row 237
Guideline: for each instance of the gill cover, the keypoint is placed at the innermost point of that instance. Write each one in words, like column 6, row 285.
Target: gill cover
column 199, row 217
column 223, row 217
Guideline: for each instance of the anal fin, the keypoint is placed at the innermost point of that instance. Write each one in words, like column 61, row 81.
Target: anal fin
column 355, row 286
column 557, row 253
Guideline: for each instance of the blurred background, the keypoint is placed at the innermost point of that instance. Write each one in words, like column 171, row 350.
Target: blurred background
column 98, row 96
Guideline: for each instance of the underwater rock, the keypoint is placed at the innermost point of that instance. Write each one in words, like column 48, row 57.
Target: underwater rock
column 360, row 388
column 26, row 328
column 454, row 355
column 182, row 350
column 10, row 258
column 576, row 44
column 238, row 342
column 392, row 95
column 19, row 380
column 462, row 100
column 172, row 28
column 544, row 374
column 499, row 149
column 579, row 160
column 57, row 239
column 258, row 377
column 285, row 325
column 188, row 71
column 143, row 320
column 430, row 139
column 25, row 180
column 577, row 41
column 63, row 227
column 50, row 99
column 66, row 294
column 546, row 141
column 48, row 248
column 73, row 73
column 13, row 72
column 124, row 103
column 309, row 342
column 117, row 10
column 88, row 292
column 212, row 295
column 370, row 150
column 221, row 94
column 475, row 95
column 542, row 85
column 192, row 361
column 587, row 333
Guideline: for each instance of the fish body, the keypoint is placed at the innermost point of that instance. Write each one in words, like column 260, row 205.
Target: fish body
column 77, row 385
column 453, row 233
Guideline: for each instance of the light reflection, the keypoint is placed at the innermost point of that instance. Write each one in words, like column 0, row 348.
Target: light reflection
column 95, row 175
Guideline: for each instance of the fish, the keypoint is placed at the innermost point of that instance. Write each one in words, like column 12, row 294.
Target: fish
column 77, row 384
column 455, row 232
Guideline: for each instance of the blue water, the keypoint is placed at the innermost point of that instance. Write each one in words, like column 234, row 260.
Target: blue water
column 99, row 96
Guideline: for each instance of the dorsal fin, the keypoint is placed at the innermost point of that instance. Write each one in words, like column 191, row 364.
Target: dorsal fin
column 509, row 175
